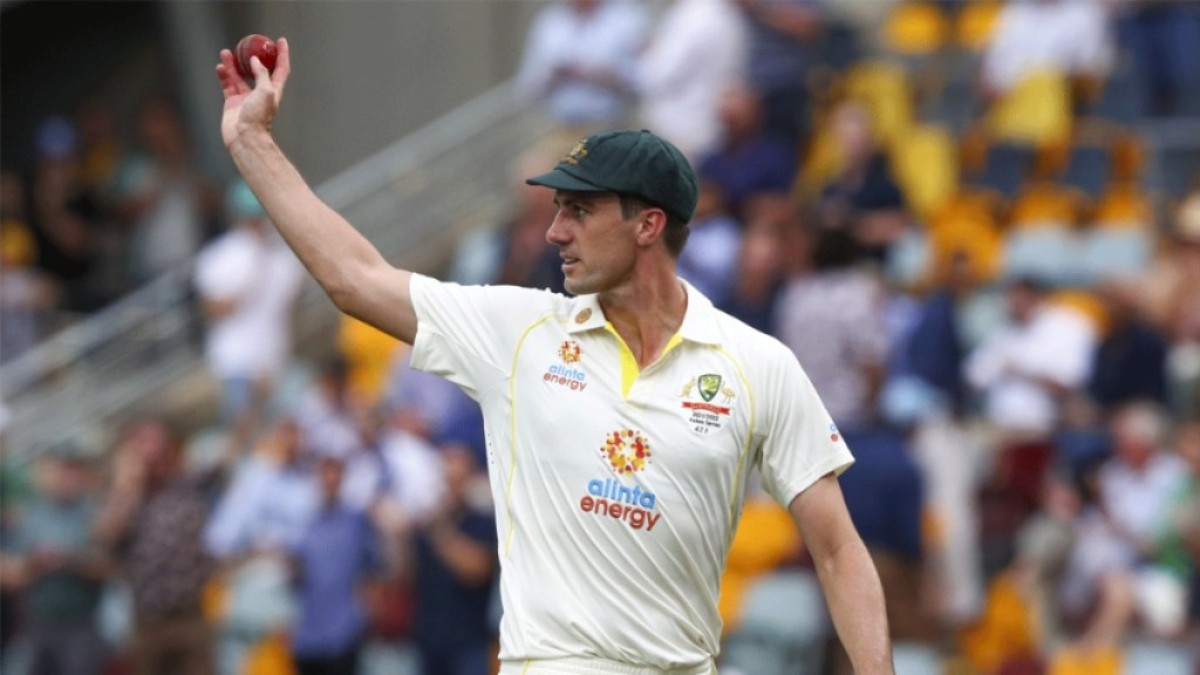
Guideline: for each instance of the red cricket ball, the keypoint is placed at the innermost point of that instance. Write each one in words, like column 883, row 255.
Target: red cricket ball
column 254, row 45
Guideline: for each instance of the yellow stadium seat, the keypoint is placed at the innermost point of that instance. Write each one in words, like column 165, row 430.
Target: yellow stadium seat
column 1005, row 630
column 976, row 22
column 270, row 656
column 1129, row 155
column 1124, row 206
column 1045, row 205
column 820, row 164
column 18, row 248
column 1099, row 662
column 966, row 226
column 765, row 537
column 1086, row 305
column 884, row 89
column 925, row 162
column 369, row 352
column 915, row 29
column 1037, row 111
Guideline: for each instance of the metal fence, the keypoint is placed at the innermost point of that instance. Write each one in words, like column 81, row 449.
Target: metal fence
column 412, row 200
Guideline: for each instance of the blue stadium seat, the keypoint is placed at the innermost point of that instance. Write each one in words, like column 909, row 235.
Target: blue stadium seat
column 1088, row 170
column 782, row 629
column 1155, row 658
column 1005, row 169
column 1044, row 253
column 1105, row 253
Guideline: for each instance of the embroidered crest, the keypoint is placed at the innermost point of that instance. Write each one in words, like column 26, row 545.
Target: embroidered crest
column 710, row 384
column 577, row 153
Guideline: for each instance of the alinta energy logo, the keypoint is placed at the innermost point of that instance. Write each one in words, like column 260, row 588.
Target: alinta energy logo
column 627, row 452
column 565, row 374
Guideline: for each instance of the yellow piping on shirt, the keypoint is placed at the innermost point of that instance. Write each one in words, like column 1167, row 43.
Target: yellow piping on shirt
column 512, row 422
column 737, row 476
column 629, row 364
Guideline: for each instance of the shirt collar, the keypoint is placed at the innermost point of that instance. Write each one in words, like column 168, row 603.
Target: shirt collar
column 699, row 322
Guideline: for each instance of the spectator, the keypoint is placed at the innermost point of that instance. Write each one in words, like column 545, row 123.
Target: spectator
column 1130, row 361
column 62, row 570
column 26, row 294
column 257, row 524
column 1066, row 36
column 925, row 370
column 1180, row 544
column 1025, row 369
column 164, row 202
column 886, row 499
column 863, row 196
column 750, row 160
column 1110, row 578
column 426, row 405
column 328, row 416
column 395, row 475
column 1172, row 300
column 518, row 253
column 456, row 564
column 336, row 555
column 65, row 217
column 698, row 52
column 831, row 316
column 782, row 37
column 153, row 521
column 760, row 265
column 580, row 61
column 710, row 258
column 248, row 280
column 1163, row 39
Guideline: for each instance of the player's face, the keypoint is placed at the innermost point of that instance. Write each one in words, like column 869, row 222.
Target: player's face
column 596, row 242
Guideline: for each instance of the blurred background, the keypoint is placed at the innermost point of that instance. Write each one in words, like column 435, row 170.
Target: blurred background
column 976, row 223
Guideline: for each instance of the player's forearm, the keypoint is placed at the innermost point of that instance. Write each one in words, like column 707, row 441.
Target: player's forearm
column 855, row 599
column 333, row 251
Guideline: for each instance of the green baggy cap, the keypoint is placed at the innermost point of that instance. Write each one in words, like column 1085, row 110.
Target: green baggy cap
column 634, row 163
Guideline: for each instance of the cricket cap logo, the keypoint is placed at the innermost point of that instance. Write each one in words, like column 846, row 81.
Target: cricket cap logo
column 710, row 385
column 577, row 153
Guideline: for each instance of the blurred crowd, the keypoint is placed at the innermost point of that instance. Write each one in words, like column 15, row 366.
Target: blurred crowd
column 103, row 210
column 948, row 219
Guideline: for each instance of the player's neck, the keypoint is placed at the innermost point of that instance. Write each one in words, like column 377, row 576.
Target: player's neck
column 647, row 311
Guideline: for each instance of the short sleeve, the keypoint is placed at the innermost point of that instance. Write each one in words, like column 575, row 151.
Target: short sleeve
column 800, row 441
column 468, row 334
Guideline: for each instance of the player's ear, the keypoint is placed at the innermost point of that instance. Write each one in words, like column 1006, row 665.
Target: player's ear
column 651, row 225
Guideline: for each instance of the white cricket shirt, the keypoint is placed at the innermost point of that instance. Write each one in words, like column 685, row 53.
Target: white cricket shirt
column 617, row 491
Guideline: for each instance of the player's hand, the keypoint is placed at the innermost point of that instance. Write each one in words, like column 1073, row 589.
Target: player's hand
column 250, row 109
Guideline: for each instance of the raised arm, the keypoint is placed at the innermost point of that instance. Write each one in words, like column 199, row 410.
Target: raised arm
column 847, row 575
column 353, row 273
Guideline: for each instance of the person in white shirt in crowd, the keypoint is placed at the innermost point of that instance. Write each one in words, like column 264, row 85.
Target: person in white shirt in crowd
column 1023, row 370
column 394, row 474
column 161, row 197
column 1113, row 574
column 697, row 53
column 248, row 281
column 1067, row 36
column 580, row 61
column 272, row 499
